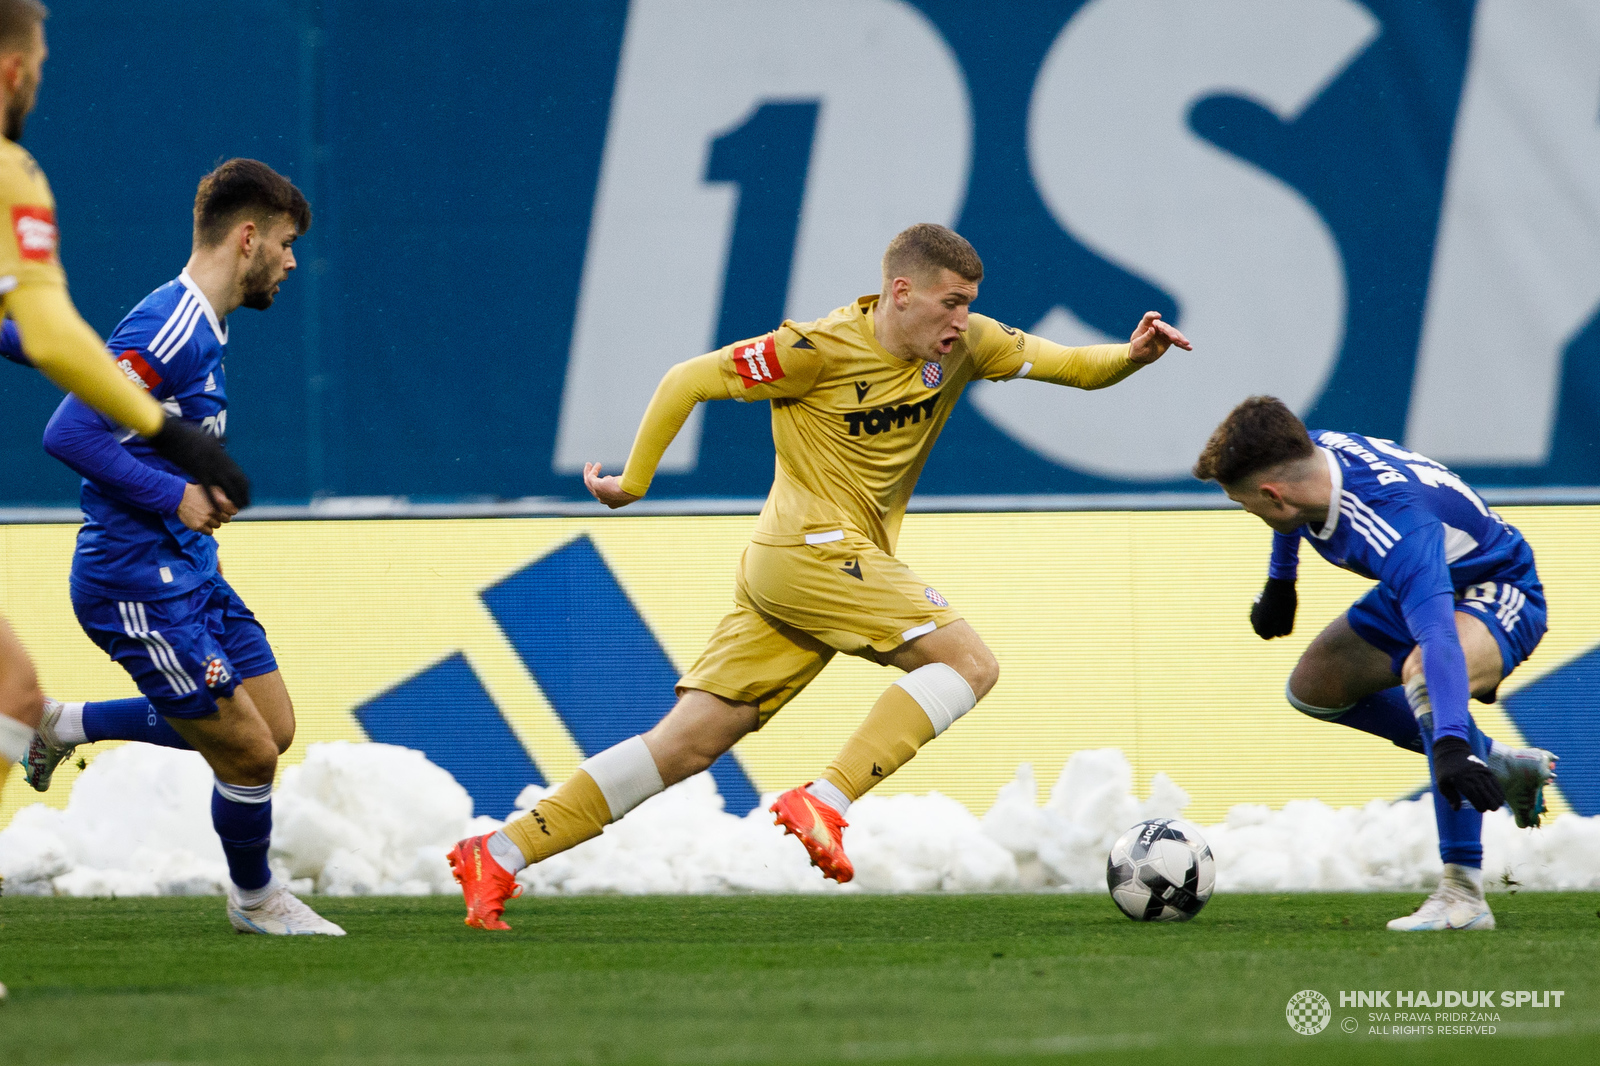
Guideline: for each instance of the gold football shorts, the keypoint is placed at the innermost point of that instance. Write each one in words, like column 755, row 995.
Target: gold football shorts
column 795, row 606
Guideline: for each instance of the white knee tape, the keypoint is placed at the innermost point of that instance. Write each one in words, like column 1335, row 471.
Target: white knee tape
column 626, row 774
column 1327, row 714
column 943, row 694
column 14, row 738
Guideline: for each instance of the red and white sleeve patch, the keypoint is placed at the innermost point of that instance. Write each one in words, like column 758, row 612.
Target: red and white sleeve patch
column 35, row 228
column 757, row 361
column 139, row 372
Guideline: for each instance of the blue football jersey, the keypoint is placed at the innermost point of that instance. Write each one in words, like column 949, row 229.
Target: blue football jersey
column 1409, row 522
column 172, row 344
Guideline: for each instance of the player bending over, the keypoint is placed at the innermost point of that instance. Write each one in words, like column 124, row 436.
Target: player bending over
column 1457, row 606
column 146, row 586
column 858, row 399
column 33, row 292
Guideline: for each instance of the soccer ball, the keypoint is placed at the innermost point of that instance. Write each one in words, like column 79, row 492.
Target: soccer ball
column 1161, row 870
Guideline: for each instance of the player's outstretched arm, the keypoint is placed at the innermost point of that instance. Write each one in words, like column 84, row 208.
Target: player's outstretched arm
column 1002, row 354
column 685, row 385
column 1151, row 339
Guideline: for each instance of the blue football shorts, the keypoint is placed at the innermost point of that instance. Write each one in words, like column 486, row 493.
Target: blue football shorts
column 1513, row 611
column 184, row 652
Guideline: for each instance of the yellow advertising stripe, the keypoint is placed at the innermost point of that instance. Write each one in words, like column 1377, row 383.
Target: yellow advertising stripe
column 1112, row 629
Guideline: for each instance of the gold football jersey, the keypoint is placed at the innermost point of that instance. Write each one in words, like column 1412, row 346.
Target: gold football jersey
column 853, row 424
column 28, row 250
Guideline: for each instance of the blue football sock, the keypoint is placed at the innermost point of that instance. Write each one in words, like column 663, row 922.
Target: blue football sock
column 1385, row 714
column 242, row 815
column 1460, row 832
column 131, row 719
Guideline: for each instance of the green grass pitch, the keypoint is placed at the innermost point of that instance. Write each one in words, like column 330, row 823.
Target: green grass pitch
column 761, row 979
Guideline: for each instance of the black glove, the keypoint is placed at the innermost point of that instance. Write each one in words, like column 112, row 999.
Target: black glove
column 193, row 450
column 1462, row 774
column 1272, row 614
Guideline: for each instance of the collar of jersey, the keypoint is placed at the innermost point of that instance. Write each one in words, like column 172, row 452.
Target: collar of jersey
column 864, row 304
column 218, row 328
column 1336, row 475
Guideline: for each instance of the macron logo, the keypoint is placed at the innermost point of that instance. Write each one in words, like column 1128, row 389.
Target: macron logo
column 757, row 361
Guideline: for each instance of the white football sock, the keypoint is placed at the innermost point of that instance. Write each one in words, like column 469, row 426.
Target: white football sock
column 68, row 728
column 829, row 793
column 503, row 850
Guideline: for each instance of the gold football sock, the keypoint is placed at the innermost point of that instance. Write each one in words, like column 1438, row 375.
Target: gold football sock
column 895, row 728
column 566, row 818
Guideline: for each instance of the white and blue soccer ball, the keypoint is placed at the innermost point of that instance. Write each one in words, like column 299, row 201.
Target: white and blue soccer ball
column 1161, row 870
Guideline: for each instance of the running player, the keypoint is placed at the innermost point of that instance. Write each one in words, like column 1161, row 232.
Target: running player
column 1457, row 607
column 146, row 586
column 858, row 399
column 33, row 293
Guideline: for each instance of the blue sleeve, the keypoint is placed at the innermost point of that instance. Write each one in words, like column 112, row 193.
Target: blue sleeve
column 11, row 344
column 80, row 437
column 1419, row 576
column 1285, row 561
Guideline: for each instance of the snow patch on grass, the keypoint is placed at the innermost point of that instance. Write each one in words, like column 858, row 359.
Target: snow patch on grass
column 360, row 819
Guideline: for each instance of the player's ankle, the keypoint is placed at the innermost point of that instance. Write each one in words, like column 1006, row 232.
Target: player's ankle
column 831, row 794
column 1465, row 878
column 503, row 850
column 254, row 897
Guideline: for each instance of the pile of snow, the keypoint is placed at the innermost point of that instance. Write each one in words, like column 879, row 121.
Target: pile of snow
column 356, row 819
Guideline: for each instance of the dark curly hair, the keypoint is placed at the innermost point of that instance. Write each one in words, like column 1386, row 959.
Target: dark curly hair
column 244, row 188
column 1259, row 434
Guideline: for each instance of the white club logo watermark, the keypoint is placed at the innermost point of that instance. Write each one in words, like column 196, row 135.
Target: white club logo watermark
column 1308, row 1012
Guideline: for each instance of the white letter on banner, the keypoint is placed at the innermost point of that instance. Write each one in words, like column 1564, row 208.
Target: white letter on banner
column 658, row 243
column 1516, row 270
column 1253, row 267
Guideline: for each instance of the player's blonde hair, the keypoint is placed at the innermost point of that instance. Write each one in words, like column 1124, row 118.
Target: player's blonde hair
column 1258, row 435
column 922, row 250
column 17, row 20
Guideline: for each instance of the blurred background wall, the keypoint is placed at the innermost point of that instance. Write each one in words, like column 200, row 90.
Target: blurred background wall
column 1386, row 213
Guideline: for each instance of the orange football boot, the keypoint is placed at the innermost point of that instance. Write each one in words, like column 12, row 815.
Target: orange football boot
column 819, row 827
column 485, row 883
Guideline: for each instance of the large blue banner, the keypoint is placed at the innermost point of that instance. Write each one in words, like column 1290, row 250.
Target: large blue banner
column 1387, row 213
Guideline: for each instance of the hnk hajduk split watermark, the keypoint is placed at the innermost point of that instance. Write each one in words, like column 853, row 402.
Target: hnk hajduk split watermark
column 1474, row 1012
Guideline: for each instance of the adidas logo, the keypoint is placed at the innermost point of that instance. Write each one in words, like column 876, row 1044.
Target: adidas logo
column 211, row 382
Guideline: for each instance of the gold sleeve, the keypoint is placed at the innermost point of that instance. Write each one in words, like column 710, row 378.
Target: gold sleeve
column 1093, row 366
column 690, row 382
column 68, row 352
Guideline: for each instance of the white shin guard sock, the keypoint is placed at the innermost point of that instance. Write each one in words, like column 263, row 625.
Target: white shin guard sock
column 626, row 774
